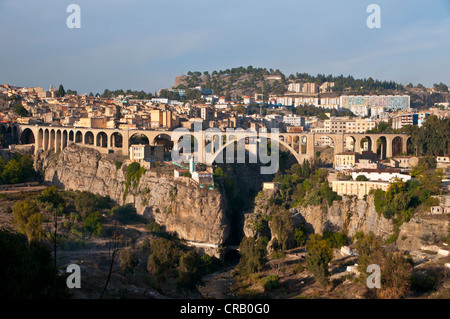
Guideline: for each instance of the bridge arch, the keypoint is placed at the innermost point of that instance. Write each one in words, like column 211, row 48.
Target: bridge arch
column 116, row 140
column 138, row 138
column 89, row 138
column 79, row 137
column 27, row 137
column 102, row 139
column 219, row 152
column 165, row 140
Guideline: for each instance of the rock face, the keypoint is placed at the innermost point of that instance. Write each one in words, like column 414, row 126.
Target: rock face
column 349, row 215
column 421, row 231
column 180, row 206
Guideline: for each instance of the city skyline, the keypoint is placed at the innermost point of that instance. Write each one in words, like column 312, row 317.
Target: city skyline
column 144, row 46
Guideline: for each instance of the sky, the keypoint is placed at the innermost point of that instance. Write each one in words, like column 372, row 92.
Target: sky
column 145, row 44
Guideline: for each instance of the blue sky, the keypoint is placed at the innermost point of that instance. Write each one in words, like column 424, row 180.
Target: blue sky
column 144, row 44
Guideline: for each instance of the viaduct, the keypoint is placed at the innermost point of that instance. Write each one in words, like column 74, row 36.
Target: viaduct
column 301, row 145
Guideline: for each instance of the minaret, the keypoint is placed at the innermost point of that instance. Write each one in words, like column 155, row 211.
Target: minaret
column 191, row 165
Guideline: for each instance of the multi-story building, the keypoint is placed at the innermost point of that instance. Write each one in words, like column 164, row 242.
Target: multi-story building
column 294, row 120
column 329, row 103
column 336, row 125
column 361, row 104
column 358, row 188
column 295, row 87
column 151, row 153
column 285, row 101
column 401, row 120
column 326, row 87
column 299, row 101
column 311, row 88
column 359, row 126
column 345, row 160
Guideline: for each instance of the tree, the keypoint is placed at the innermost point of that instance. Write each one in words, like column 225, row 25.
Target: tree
column 28, row 219
column 319, row 255
column 370, row 251
column 396, row 276
column 300, row 237
column 282, row 226
column 118, row 113
column 61, row 92
column 128, row 260
column 26, row 269
column 253, row 255
column 190, row 272
column 431, row 180
column 306, row 169
column 52, row 197
column 162, row 259
column 19, row 109
column 361, row 178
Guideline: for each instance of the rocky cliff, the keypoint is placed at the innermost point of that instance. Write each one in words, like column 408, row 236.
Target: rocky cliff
column 349, row 215
column 196, row 215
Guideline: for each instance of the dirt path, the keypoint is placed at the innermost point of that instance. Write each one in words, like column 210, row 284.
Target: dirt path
column 217, row 285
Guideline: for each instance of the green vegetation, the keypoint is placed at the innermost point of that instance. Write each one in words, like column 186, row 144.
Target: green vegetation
column 190, row 271
column 61, row 92
column 252, row 80
column 125, row 214
column 270, row 282
column 18, row 170
column 319, row 255
column 253, row 255
column 19, row 109
column 402, row 199
column 27, row 270
column 432, row 138
column 128, row 260
column 28, row 219
column 141, row 95
column 93, row 224
column 134, row 174
column 303, row 185
column 162, row 260
column 396, row 271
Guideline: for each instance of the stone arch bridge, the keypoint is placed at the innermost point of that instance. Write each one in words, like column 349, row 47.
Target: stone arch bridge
column 108, row 140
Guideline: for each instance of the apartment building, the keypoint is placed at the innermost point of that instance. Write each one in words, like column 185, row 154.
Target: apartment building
column 361, row 104
column 335, row 125
column 326, row 87
column 359, row 126
column 345, row 160
column 294, row 120
column 357, row 188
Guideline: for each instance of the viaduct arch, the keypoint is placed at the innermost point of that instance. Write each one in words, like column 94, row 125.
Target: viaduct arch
column 105, row 140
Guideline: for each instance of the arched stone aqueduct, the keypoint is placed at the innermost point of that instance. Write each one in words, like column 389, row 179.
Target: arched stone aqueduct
column 301, row 145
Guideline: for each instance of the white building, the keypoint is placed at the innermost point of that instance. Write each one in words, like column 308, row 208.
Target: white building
column 383, row 175
column 294, row 120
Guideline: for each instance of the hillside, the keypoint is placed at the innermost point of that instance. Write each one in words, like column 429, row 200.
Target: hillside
column 238, row 82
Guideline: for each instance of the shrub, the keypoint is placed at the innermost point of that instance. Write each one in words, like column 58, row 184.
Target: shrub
column 335, row 240
column 128, row 260
column 318, row 257
column 118, row 164
column 93, row 224
column 253, row 255
column 270, row 282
